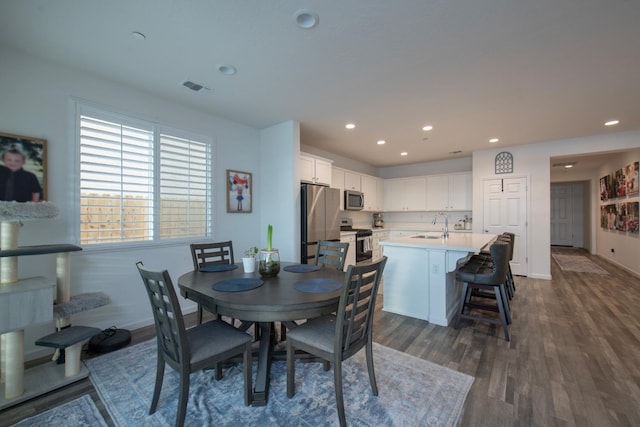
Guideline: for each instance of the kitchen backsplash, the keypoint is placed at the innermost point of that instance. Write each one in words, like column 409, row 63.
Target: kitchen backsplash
column 406, row 220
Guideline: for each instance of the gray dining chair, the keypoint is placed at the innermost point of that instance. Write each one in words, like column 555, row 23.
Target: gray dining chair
column 208, row 254
column 328, row 253
column 336, row 338
column 189, row 350
column 331, row 253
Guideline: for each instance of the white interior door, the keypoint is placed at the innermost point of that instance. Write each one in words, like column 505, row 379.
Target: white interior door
column 505, row 210
column 561, row 215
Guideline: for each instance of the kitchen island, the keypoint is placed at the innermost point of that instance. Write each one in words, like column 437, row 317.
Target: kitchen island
column 419, row 278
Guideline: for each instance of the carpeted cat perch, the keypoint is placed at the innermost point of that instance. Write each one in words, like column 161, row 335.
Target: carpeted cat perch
column 28, row 301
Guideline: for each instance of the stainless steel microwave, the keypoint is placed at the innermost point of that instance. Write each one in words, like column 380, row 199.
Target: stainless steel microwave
column 353, row 200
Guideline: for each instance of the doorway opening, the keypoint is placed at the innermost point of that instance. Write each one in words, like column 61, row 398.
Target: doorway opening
column 571, row 214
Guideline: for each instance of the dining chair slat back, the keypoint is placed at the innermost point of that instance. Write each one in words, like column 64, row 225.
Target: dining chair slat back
column 330, row 253
column 208, row 254
column 357, row 307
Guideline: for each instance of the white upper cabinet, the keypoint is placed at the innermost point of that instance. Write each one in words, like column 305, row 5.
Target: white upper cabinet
column 380, row 194
column 337, row 181
column 370, row 191
column 405, row 194
column 461, row 191
column 449, row 192
column 372, row 187
column 315, row 170
column 352, row 181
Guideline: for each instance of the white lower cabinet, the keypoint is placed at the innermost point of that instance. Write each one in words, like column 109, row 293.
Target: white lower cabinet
column 378, row 236
column 351, row 252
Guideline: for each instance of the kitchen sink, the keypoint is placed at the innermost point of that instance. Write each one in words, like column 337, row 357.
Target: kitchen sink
column 428, row 236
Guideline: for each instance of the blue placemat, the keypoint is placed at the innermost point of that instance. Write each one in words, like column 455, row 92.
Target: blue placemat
column 218, row 267
column 302, row 268
column 237, row 285
column 317, row 285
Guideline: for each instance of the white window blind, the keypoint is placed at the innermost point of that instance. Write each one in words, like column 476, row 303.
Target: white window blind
column 139, row 184
column 185, row 187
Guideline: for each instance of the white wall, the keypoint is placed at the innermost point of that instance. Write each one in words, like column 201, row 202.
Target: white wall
column 626, row 246
column 533, row 160
column 280, row 189
column 37, row 99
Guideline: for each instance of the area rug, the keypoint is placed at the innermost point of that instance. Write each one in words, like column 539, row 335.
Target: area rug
column 578, row 263
column 412, row 392
column 79, row 412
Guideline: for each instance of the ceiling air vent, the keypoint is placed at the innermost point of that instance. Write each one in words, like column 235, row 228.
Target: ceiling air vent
column 195, row 86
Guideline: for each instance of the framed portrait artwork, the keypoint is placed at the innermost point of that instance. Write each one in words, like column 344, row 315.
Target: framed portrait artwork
column 631, row 178
column 23, row 168
column 239, row 191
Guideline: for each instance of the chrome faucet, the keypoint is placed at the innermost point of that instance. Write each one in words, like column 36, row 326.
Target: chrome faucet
column 445, row 234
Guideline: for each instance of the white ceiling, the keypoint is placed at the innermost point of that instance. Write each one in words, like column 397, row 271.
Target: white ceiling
column 522, row 71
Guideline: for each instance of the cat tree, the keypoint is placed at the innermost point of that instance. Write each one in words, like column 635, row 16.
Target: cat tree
column 24, row 302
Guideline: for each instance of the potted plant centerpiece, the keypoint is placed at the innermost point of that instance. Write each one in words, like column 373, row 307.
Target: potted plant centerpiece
column 249, row 259
column 269, row 263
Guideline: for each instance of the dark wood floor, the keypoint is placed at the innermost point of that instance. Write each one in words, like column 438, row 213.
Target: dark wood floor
column 573, row 359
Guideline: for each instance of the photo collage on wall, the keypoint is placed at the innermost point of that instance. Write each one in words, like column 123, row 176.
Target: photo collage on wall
column 619, row 214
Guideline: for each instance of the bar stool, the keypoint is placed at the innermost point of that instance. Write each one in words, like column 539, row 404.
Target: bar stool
column 484, row 261
column 490, row 276
column 510, row 282
column 485, row 257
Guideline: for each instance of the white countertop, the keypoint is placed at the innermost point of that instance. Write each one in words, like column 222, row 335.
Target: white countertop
column 467, row 242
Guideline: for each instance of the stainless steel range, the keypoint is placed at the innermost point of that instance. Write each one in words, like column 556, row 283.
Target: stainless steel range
column 363, row 240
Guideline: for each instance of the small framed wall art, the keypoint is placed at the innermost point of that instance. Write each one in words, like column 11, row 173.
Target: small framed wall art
column 239, row 191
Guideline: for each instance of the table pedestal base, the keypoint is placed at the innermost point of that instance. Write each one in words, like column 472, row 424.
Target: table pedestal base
column 265, row 354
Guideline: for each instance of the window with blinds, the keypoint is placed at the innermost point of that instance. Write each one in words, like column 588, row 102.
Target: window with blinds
column 185, row 187
column 138, row 183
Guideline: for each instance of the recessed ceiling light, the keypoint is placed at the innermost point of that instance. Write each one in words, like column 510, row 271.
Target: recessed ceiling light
column 428, row 127
column 350, row 126
column 612, row 122
column 381, row 142
column 568, row 166
column 494, row 140
column 227, row 70
column 306, row 19
column 138, row 35
column 404, row 153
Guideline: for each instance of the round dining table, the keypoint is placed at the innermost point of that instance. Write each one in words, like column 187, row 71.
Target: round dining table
column 287, row 297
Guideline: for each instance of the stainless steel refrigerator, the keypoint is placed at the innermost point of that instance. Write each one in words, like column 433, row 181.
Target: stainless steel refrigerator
column 320, row 218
